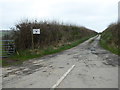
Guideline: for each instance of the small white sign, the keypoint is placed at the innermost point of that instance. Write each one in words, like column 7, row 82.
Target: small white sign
column 36, row 31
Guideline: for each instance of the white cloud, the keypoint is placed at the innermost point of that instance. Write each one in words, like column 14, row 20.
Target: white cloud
column 95, row 14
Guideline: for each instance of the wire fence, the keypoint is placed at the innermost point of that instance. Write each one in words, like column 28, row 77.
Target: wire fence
column 7, row 48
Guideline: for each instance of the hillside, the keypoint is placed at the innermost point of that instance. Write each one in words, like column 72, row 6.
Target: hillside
column 110, row 38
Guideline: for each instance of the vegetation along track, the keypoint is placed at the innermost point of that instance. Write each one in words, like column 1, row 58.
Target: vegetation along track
column 94, row 67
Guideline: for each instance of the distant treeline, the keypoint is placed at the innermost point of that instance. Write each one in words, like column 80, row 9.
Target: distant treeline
column 110, row 38
column 52, row 33
column 3, row 33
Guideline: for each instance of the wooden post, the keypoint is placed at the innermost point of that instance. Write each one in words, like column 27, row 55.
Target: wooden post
column 32, row 38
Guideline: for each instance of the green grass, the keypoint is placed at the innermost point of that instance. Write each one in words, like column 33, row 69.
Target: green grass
column 0, row 61
column 37, row 53
column 109, row 48
column 110, row 39
column 91, row 41
column 0, row 52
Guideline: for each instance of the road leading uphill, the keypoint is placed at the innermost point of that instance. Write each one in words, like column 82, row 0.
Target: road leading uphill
column 84, row 66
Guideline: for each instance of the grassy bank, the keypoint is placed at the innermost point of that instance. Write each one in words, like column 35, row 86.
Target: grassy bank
column 0, row 47
column 30, row 54
column 105, row 45
column 54, row 37
column 110, row 39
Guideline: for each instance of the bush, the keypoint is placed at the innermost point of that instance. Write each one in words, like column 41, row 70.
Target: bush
column 52, row 33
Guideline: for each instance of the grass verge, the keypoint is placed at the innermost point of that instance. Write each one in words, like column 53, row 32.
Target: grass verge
column 91, row 41
column 30, row 54
column 109, row 48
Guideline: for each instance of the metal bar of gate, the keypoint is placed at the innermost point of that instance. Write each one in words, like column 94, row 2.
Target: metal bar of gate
column 7, row 48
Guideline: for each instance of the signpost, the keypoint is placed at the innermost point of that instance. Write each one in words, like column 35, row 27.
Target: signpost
column 34, row 31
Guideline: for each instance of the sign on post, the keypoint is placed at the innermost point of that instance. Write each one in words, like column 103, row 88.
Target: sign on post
column 36, row 31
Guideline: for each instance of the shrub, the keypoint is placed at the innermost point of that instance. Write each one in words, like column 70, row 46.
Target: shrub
column 52, row 33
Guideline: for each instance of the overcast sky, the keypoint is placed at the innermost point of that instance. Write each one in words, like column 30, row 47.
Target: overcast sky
column 93, row 14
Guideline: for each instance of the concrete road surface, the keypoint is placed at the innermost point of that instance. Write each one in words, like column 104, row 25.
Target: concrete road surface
column 84, row 66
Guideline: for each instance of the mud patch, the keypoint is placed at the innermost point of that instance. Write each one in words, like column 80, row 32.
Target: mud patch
column 23, row 70
column 27, row 72
column 36, row 67
column 8, row 61
column 76, row 56
column 61, row 67
column 112, row 63
column 111, row 59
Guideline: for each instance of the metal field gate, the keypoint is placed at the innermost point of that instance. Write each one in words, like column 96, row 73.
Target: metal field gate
column 7, row 48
